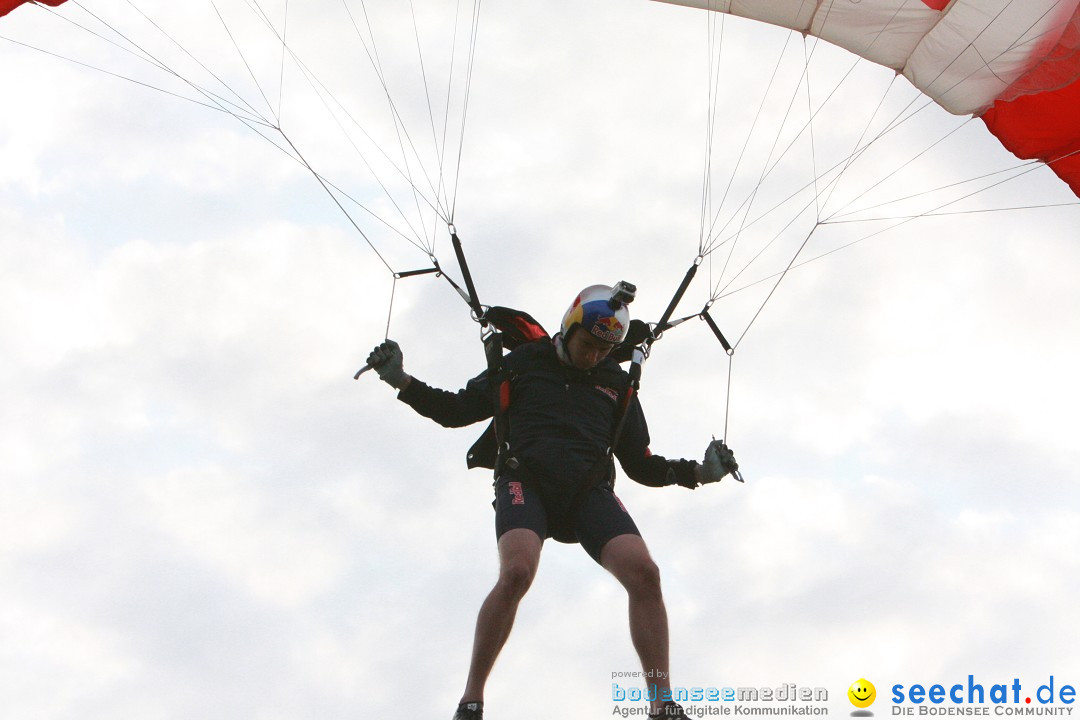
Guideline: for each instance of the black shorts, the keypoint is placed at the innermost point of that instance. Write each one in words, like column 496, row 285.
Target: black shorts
column 593, row 520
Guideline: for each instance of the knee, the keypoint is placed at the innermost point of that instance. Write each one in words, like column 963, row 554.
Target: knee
column 643, row 580
column 516, row 577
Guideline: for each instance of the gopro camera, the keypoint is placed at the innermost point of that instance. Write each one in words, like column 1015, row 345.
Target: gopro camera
column 622, row 294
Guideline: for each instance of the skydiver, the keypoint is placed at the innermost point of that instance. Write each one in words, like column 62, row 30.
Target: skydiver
column 556, row 477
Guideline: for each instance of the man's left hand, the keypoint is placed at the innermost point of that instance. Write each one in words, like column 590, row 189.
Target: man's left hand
column 719, row 461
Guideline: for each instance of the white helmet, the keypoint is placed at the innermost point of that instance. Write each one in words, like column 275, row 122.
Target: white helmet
column 602, row 311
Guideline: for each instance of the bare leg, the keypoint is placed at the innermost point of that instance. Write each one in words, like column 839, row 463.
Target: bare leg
column 627, row 558
column 519, row 557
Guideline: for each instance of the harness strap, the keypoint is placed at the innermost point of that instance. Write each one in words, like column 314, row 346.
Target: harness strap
column 474, row 302
column 640, row 353
column 662, row 325
column 716, row 331
column 500, row 386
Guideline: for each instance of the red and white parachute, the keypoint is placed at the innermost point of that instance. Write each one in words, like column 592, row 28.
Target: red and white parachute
column 7, row 6
column 1013, row 63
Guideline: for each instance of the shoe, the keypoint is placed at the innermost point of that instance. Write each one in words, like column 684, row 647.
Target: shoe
column 670, row 711
column 470, row 711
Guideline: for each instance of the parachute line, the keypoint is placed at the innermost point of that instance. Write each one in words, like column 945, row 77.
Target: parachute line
column 766, row 168
column 197, row 61
column 139, row 52
column 727, row 393
column 717, row 291
column 403, row 136
column 390, row 310
column 711, row 117
column 810, row 125
column 897, row 121
column 866, row 129
column 141, row 83
column 322, row 92
column 1020, row 170
column 439, row 199
column 894, row 172
column 337, row 202
column 437, row 187
column 706, row 249
column 903, row 220
column 441, row 148
column 215, row 100
column 974, row 211
column 284, row 49
column 473, row 36
column 243, row 59
column 779, row 279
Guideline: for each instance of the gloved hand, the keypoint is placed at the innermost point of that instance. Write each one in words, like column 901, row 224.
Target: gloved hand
column 719, row 461
column 388, row 361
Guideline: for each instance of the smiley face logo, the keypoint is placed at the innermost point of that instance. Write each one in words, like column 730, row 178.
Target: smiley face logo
column 862, row 693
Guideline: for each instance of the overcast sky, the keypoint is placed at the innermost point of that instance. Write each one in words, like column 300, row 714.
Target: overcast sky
column 203, row 516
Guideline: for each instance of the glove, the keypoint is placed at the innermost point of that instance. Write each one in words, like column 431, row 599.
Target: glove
column 388, row 361
column 719, row 461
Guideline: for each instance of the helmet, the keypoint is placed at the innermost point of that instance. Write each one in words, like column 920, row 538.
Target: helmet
column 595, row 309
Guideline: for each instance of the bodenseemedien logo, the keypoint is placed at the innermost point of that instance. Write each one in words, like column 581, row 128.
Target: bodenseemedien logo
column 862, row 695
column 700, row 701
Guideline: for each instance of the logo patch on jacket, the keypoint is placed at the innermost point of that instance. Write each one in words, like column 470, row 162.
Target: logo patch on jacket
column 609, row 392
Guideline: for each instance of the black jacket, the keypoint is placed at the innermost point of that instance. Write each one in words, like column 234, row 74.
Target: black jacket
column 561, row 419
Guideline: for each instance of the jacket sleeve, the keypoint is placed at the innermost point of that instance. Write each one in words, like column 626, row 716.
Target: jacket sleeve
column 640, row 464
column 471, row 404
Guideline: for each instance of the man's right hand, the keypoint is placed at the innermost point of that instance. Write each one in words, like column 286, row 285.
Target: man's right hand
column 388, row 361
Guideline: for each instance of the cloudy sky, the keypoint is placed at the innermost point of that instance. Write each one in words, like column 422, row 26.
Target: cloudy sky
column 203, row 515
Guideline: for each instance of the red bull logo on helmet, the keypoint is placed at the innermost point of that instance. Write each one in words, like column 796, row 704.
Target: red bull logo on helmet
column 608, row 329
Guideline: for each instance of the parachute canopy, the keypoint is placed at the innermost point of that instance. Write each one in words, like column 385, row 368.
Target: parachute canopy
column 7, row 6
column 1015, row 64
